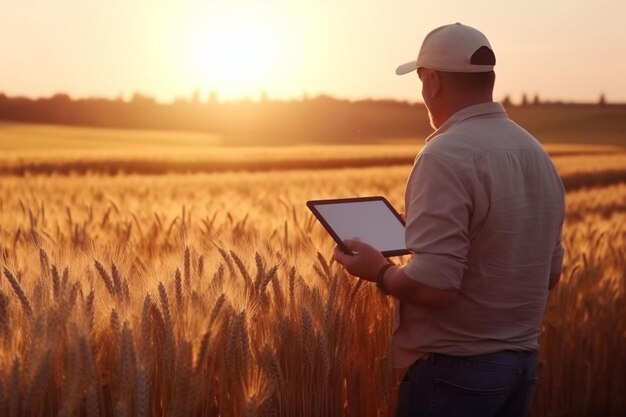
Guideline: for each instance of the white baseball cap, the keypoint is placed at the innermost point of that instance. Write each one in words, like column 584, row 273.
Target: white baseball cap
column 451, row 48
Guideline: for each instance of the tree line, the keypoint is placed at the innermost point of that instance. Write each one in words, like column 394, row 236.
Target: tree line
column 317, row 119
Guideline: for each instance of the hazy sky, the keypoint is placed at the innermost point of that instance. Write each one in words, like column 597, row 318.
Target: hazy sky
column 561, row 49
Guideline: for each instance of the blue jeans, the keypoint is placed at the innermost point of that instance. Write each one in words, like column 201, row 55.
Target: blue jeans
column 500, row 384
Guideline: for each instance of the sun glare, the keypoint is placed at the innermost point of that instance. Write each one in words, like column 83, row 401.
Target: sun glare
column 235, row 62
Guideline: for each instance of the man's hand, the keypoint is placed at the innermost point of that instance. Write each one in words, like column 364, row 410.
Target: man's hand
column 368, row 261
column 365, row 264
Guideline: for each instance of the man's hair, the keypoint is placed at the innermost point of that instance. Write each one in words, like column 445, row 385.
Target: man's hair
column 469, row 81
column 474, row 81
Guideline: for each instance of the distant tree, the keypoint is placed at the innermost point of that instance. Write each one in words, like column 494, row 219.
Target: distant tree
column 61, row 98
column 181, row 100
column 324, row 98
column 139, row 98
column 506, row 101
column 195, row 96
column 536, row 100
column 264, row 98
column 213, row 99
column 524, row 100
column 602, row 100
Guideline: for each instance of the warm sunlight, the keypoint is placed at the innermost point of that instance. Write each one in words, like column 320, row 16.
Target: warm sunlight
column 236, row 61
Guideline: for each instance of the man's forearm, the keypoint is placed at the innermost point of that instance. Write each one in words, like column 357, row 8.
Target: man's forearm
column 400, row 286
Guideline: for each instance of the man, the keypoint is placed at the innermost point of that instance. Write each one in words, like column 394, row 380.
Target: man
column 484, row 212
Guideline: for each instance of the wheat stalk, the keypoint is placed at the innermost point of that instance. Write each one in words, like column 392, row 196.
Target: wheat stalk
column 229, row 263
column 201, row 266
column 56, row 283
column 89, row 308
column 117, row 282
column 165, row 306
column 105, row 278
column 15, row 397
column 219, row 303
column 5, row 324
column 44, row 263
column 142, row 394
column 267, row 278
column 170, row 342
column 260, row 275
column 183, row 400
column 187, row 267
column 116, row 327
column 17, row 288
column 4, row 403
column 128, row 357
column 41, row 379
column 242, row 268
column 92, row 402
column 203, row 352
column 218, row 278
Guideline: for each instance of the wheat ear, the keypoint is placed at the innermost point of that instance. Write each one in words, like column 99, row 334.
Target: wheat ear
column 179, row 289
column 142, row 394
column 19, row 292
column 187, row 266
column 105, row 278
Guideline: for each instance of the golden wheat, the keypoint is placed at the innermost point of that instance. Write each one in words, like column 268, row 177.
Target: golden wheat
column 216, row 295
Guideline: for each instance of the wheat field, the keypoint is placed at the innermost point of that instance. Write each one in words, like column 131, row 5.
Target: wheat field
column 216, row 295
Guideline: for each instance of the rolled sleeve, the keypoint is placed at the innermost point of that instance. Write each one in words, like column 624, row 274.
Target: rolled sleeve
column 438, row 210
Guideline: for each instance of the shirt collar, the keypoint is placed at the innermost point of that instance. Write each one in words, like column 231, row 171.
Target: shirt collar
column 482, row 109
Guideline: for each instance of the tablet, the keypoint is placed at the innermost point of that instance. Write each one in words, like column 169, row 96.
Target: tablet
column 370, row 219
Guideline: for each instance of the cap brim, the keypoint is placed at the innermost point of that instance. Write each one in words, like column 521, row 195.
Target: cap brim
column 406, row 68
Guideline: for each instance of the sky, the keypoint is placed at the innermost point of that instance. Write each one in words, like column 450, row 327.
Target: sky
column 571, row 50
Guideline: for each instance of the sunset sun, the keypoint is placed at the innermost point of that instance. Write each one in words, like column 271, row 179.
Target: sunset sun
column 235, row 61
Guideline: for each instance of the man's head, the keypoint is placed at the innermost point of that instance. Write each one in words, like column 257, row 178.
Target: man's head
column 455, row 65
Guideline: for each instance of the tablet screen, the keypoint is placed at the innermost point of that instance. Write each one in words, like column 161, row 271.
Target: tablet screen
column 370, row 219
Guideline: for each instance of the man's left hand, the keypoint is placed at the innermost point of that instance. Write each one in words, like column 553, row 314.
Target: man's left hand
column 365, row 263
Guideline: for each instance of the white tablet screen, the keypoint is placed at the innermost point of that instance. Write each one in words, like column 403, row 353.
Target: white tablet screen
column 371, row 221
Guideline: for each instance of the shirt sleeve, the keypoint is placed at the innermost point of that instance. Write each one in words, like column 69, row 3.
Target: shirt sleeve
column 437, row 228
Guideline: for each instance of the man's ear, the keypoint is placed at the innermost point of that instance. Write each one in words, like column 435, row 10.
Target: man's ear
column 435, row 84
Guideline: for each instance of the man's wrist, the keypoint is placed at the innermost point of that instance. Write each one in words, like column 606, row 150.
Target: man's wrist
column 380, row 278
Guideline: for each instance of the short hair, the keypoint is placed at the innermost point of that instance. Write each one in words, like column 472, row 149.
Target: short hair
column 469, row 81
